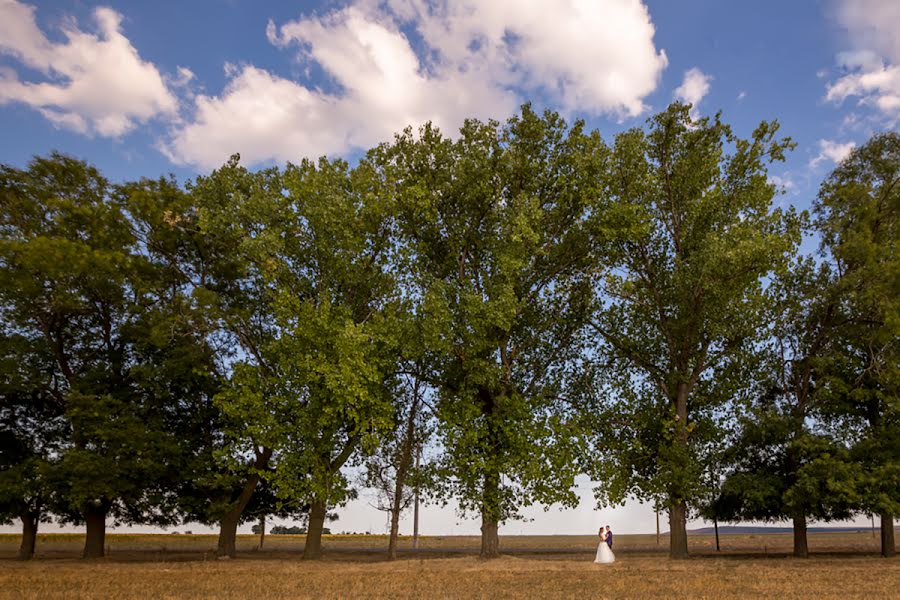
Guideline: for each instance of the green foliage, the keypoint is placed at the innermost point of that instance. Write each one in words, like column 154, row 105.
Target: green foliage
column 689, row 234
column 493, row 227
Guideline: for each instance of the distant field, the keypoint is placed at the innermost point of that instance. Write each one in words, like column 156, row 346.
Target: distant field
column 183, row 566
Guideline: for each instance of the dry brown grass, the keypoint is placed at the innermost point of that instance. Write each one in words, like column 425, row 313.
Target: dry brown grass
column 537, row 566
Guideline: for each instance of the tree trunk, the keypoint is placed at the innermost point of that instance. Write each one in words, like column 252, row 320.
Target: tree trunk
column 801, row 549
column 312, row 549
column 490, row 541
column 716, row 525
column 229, row 523
column 678, row 547
column 415, row 540
column 395, row 528
column 95, row 533
column 29, row 535
column 888, row 548
column 262, row 531
column 490, row 511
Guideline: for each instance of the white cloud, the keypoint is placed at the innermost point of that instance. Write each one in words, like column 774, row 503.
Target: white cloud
column 783, row 182
column 470, row 59
column 742, row 95
column 693, row 88
column 831, row 151
column 873, row 66
column 95, row 83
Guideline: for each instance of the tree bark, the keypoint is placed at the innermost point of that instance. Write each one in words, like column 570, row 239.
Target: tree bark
column 678, row 547
column 395, row 528
column 490, row 511
column 228, row 525
column 490, row 541
column 312, row 549
column 801, row 548
column 95, row 533
column 888, row 548
column 29, row 535
column 262, row 531
column 716, row 525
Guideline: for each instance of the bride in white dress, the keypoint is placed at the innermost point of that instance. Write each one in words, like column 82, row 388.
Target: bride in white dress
column 604, row 552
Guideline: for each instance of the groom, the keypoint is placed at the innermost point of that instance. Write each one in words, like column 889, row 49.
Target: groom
column 609, row 536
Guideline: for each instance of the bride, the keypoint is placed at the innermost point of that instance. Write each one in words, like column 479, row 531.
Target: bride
column 604, row 552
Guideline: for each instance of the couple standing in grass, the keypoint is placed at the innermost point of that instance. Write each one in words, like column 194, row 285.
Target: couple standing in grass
column 604, row 550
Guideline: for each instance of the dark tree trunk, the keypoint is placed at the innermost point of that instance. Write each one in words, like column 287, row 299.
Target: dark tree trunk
column 678, row 547
column 262, row 531
column 95, row 533
column 312, row 549
column 490, row 511
column 716, row 525
column 801, row 548
column 29, row 535
column 490, row 541
column 888, row 548
column 228, row 525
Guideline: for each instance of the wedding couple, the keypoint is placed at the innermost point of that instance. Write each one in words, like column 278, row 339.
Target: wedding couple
column 604, row 550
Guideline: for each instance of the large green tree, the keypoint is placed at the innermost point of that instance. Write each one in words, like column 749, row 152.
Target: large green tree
column 692, row 233
column 494, row 226
column 312, row 305
column 857, row 215
column 75, row 282
column 32, row 429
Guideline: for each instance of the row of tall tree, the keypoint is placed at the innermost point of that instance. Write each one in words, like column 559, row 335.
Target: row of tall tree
column 526, row 301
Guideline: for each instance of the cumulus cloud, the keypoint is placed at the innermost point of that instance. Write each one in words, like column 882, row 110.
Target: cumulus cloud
column 395, row 63
column 95, row 83
column 694, row 87
column 872, row 68
column 830, row 150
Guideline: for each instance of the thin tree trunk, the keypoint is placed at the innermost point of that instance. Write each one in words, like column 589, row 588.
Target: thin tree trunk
column 415, row 541
column 29, row 535
column 312, row 549
column 888, row 548
column 801, row 548
column 716, row 526
column 657, row 524
column 95, row 533
column 678, row 547
column 262, row 531
column 228, row 525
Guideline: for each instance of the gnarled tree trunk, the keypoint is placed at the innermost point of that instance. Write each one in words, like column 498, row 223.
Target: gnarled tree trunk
column 29, row 535
column 801, row 548
column 312, row 549
column 226, row 545
column 95, row 532
column 888, row 548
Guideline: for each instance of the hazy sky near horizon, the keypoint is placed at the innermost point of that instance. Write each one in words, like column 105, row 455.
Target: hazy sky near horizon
column 148, row 88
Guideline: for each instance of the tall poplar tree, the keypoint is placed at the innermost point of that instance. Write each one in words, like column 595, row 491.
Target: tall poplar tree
column 697, row 233
column 494, row 225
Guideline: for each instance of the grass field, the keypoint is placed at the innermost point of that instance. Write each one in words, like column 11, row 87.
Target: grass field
column 182, row 566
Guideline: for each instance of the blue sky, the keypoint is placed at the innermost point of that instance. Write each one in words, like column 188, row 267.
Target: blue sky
column 147, row 88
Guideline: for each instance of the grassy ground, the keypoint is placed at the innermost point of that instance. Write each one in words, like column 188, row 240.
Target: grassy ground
column 169, row 566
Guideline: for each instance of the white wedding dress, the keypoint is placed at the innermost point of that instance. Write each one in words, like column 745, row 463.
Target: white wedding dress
column 604, row 553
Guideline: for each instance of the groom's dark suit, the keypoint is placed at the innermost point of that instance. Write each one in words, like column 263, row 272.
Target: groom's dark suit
column 609, row 539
